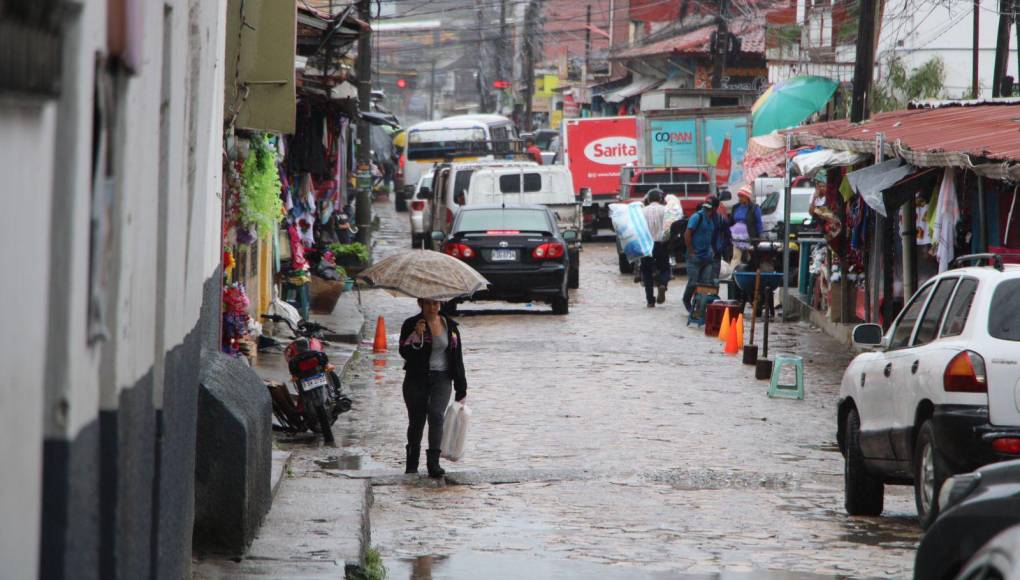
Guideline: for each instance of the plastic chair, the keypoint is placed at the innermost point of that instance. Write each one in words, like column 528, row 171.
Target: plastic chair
column 777, row 389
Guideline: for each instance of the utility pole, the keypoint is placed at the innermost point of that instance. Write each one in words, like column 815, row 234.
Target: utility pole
column 432, row 90
column 1002, row 46
column 530, row 20
column 432, row 76
column 864, row 67
column 587, row 41
column 364, row 66
column 612, row 34
column 722, row 44
column 974, row 82
column 501, row 51
column 483, row 103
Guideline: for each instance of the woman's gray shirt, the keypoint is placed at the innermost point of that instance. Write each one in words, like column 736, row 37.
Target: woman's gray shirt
column 440, row 342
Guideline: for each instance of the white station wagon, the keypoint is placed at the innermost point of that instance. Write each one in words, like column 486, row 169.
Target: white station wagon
column 940, row 392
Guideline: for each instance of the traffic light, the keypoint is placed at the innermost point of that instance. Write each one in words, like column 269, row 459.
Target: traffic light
column 498, row 84
column 401, row 83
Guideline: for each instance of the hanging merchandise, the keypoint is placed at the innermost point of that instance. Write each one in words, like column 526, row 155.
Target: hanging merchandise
column 946, row 216
column 261, row 206
column 923, row 230
column 235, row 318
column 297, row 250
column 228, row 263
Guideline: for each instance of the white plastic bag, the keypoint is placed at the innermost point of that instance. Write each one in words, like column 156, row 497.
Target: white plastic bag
column 631, row 230
column 281, row 308
column 455, row 428
column 674, row 213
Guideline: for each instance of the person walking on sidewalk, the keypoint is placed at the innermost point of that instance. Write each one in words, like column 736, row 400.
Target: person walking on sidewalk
column 431, row 346
column 722, row 242
column 655, row 268
column 700, row 238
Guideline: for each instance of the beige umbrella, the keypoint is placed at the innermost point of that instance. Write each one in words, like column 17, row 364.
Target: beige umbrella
column 425, row 274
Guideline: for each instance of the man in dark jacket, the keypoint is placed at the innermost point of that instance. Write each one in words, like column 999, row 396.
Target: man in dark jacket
column 431, row 346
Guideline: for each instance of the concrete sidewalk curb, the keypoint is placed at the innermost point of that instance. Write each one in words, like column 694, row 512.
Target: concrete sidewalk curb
column 281, row 462
column 319, row 528
column 347, row 319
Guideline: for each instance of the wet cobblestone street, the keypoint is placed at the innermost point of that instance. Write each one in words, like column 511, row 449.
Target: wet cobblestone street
column 615, row 442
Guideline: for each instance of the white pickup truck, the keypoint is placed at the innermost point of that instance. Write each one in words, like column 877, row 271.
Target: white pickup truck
column 548, row 185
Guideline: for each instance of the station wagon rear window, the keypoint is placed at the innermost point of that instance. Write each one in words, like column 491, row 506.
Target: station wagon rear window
column 1004, row 315
column 525, row 220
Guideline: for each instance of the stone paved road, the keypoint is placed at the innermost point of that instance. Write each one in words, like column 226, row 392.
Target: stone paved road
column 616, row 441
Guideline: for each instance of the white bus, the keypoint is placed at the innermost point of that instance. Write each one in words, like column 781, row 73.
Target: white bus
column 458, row 138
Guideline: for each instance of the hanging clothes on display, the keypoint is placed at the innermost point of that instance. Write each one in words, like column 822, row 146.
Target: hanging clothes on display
column 946, row 216
column 307, row 153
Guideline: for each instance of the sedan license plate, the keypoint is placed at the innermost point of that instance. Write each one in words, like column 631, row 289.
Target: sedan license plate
column 504, row 255
column 316, row 382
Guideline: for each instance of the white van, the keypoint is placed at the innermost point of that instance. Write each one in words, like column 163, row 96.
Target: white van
column 457, row 138
column 548, row 185
column 450, row 184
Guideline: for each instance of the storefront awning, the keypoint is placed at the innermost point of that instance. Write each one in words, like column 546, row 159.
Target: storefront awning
column 636, row 87
column 872, row 180
column 808, row 164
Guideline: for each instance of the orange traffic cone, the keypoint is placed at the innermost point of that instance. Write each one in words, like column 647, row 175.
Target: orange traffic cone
column 731, row 340
column 380, row 336
column 724, row 329
column 740, row 331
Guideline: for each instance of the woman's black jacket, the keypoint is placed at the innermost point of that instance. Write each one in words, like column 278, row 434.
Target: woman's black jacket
column 416, row 361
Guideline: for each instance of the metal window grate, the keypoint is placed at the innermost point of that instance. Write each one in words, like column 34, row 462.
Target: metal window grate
column 31, row 46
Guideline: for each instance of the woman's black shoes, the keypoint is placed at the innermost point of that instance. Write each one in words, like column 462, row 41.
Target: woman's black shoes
column 432, row 463
column 413, row 453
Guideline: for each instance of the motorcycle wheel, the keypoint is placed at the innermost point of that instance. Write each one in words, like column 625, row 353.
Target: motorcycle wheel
column 324, row 423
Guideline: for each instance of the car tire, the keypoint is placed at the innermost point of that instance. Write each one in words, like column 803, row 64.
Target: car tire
column 574, row 274
column 561, row 305
column 864, row 493
column 399, row 201
column 625, row 266
column 930, row 472
column 416, row 243
column 586, row 235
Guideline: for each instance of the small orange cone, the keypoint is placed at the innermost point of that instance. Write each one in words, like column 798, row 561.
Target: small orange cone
column 380, row 336
column 731, row 340
column 740, row 331
column 724, row 329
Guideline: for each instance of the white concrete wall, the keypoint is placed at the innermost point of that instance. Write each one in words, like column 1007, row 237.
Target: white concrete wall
column 27, row 126
column 918, row 30
column 167, row 232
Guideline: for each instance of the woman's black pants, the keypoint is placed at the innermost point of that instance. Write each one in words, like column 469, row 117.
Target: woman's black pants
column 426, row 400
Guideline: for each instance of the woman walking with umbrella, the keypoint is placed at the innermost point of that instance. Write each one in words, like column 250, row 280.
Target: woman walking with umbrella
column 430, row 342
column 433, row 363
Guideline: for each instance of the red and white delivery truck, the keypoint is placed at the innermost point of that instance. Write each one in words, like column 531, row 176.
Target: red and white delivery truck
column 594, row 150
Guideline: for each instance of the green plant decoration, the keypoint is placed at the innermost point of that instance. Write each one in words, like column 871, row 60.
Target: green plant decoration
column 261, row 207
column 356, row 251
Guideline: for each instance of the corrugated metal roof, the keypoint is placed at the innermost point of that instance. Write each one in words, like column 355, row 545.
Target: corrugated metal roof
column 981, row 130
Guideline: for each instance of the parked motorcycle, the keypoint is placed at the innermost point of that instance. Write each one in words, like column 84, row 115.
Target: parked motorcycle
column 320, row 399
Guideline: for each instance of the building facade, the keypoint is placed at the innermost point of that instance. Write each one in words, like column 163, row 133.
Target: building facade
column 114, row 178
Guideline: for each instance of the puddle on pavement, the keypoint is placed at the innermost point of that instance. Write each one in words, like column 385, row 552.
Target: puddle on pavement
column 499, row 566
column 342, row 462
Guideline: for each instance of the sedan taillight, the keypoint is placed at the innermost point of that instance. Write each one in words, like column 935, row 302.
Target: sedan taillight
column 549, row 251
column 417, row 205
column 965, row 373
column 461, row 251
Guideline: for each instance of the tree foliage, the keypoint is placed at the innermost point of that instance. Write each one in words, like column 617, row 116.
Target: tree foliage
column 900, row 86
